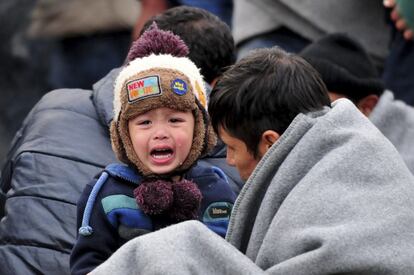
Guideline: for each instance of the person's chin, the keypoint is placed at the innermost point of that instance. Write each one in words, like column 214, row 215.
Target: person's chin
column 163, row 169
column 244, row 177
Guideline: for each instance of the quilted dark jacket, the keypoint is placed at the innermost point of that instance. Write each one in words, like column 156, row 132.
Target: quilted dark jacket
column 62, row 144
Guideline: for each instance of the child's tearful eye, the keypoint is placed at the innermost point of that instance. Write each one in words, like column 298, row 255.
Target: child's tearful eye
column 176, row 120
column 144, row 122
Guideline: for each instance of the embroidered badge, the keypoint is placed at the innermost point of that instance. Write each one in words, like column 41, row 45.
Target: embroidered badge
column 144, row 87
column 217, row 210
column 179, row 86
column 201, row 96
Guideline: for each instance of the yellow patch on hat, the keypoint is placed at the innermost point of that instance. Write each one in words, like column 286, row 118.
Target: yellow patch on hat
column 201, row 95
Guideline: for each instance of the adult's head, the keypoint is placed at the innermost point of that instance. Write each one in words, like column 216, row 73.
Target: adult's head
column 255, row 101
column 346, row 69
column 208, row 38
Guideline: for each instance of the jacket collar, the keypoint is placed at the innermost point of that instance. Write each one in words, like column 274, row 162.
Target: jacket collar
column 124, row 172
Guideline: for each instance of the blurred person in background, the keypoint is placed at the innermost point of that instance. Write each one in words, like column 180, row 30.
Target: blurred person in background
column 91, row 38
column 349, row 72
column 398, row 72
column 223, row 9
column 293, row 24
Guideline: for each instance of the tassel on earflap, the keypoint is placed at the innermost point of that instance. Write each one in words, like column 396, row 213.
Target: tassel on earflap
column 179, row 201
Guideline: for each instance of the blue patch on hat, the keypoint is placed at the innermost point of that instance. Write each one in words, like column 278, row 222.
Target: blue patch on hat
column 179, row 86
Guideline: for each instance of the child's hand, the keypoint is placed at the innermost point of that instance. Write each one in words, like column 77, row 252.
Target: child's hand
column 399, row 21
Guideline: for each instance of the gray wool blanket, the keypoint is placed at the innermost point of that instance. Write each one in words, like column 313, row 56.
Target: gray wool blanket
column 332, row 195
column 395, row 119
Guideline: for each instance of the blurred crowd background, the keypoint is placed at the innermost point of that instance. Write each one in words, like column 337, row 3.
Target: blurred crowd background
column 54, row 44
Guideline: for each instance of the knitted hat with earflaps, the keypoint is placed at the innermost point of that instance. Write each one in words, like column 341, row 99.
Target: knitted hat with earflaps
column 159, row 75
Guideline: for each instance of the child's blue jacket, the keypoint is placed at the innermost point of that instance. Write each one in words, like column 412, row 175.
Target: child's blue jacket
column 108, row 215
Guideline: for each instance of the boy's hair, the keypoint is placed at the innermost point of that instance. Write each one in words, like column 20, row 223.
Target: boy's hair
column 208, row 38
column 265, row 91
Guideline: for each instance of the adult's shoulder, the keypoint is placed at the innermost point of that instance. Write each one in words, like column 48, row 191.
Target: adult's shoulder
column 61, row 145
column 75, row 100
column 64, row 123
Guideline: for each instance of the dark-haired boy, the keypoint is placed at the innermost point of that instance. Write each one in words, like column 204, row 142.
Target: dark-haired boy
column 326, row 192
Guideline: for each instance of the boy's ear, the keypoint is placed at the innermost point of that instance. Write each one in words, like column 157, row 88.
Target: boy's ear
column 367, row 104
column 266, row 141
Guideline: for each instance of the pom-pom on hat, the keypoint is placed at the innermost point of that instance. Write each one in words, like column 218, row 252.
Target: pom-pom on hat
column 344, row 65
column 159, row 75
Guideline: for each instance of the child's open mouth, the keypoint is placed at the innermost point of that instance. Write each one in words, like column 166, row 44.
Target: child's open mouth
column 162, row 153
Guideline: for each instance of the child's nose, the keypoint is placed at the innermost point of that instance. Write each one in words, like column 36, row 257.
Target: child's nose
column 160, row 133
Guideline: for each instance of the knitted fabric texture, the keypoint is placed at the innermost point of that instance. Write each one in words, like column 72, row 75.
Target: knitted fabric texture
column 154, row 197
column 344, row 65
column 155, row 81
column 177, row 201
column 156, row 42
